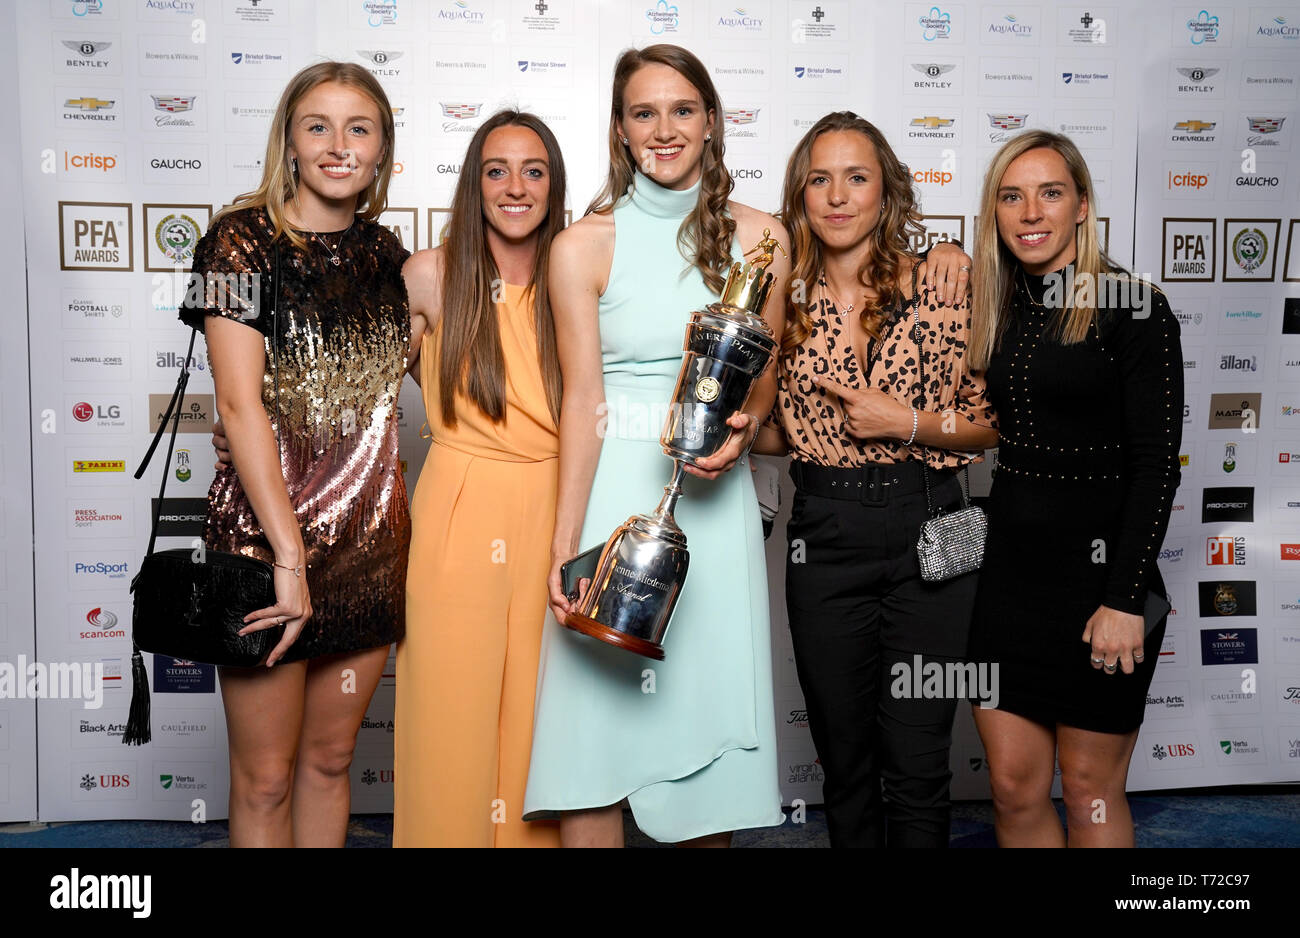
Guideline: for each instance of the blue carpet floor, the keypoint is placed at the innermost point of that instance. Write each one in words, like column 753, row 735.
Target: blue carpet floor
column 1212, row 818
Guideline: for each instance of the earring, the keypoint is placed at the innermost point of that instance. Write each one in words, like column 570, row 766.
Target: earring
column 708, row 137
column 293, row 165
column 624, row 139
column 376, row 171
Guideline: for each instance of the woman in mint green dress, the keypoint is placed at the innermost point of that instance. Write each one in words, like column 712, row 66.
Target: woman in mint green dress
column 690, row 742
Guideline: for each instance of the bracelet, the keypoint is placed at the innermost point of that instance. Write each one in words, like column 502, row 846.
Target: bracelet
column 916, row 421
column 297, row 571
column 758, row 428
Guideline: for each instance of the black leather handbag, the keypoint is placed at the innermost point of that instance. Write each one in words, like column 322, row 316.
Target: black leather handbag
column 190, row 603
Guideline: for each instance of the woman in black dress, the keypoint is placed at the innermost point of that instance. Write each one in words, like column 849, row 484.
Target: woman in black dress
column 1083, row 365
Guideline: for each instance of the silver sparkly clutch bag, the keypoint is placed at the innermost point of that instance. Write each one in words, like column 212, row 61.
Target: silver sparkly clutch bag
column 952, row 544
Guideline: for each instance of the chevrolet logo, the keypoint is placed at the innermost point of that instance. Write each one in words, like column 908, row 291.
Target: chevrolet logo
column 932, row 122
column 88, row 104
column 1194, row 127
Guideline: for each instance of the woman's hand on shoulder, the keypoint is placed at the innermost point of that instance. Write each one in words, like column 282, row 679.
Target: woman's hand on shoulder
column 422, row 274
column 946, row 270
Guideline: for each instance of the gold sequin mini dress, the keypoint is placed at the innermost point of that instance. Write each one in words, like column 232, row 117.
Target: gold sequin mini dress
column 336, row 339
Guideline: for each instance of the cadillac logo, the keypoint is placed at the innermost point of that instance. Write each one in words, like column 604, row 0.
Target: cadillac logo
column 740, row 115
column 460, row 111
column 1007, row 121
column 1265, row 125
column 173, row 103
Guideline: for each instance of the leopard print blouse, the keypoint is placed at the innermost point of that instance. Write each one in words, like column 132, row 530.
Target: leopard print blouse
column 812, row 417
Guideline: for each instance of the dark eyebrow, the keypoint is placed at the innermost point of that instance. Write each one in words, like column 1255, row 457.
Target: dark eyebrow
column 356, row 117
column 847, row 169
column 531, row 159
column 694, row 102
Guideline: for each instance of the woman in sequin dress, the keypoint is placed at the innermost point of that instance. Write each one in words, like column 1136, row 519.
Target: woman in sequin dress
column 1084, row 368
column 485, row 503
column 307, row 376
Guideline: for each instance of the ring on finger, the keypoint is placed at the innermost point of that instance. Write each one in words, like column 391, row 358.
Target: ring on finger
column 1110, row 668
column 1098, row 660
column 1138, row 656
column 965, row 267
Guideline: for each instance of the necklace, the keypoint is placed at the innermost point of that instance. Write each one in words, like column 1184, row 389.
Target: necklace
column 333, row 252
column 844, row 310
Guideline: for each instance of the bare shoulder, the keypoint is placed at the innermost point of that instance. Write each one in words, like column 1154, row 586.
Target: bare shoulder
column 423, row 275
column 584, row 251
column 750, row 223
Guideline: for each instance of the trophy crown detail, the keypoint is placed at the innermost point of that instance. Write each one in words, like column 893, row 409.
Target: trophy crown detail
column 748, row 284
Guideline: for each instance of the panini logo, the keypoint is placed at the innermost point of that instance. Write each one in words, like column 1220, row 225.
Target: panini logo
column 99, row 465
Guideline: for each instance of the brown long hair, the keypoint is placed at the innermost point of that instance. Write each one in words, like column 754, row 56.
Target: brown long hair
column 470, row 356
column 704, row 237
column 996, row 266
column 900, row 220
column 279, row 184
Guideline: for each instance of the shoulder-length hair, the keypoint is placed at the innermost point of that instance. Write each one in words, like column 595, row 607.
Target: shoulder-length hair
column 704, row 237
column 279, row 183
column 900, row 221
column 470, row 357
column 996, row 266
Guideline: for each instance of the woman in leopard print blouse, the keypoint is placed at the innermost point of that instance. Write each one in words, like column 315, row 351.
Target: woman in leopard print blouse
column 865, row 412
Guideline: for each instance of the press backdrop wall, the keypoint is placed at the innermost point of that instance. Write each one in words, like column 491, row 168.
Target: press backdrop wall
column 140, row 118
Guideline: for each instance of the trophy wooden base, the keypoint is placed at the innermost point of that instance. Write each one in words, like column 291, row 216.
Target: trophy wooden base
column 639, row 646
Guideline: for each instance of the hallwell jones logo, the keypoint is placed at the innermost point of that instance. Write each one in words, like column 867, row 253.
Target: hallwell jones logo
column 90, row 109
column 1196, row 80
column 937, row 24
column 196, row 412
column 1225, row 551
column 1203, row 29
column 176, row 235
column 173, row 109
column 95, row 236
column 1237, row 646
column 1235, row 411
column 1227, row 503
column 1226, row 598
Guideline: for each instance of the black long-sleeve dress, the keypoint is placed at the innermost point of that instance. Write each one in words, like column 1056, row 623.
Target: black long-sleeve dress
column 1087, row 470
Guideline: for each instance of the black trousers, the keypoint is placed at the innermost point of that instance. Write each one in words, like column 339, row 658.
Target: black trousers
column 859, row 615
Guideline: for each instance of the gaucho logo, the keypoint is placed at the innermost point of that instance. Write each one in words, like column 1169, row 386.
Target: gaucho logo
column 1227, row 503
column 1220, row 598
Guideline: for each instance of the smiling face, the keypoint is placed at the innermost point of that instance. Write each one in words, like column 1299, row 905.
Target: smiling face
column 516, row 182
column 1038, row 208
column 665, row 123
column 336, row 135
column 843, row 190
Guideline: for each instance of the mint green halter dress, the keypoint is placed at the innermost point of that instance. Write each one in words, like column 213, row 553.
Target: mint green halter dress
column 689, row 741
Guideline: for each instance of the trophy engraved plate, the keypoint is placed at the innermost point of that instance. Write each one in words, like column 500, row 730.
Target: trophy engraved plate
column 642, row 568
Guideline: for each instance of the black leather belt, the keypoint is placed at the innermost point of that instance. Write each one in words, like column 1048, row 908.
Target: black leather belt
column 872, row 484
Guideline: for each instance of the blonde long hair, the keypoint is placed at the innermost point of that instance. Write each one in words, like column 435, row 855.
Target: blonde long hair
column 899, row 221
column 704, row 237
column 996, row 266
column 279, row 185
